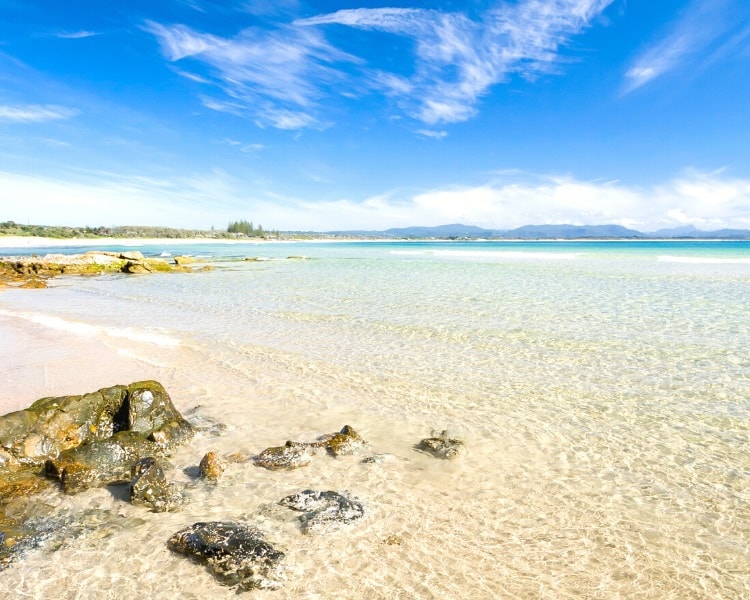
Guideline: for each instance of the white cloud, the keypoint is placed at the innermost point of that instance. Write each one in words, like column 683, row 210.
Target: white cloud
column 708, row 201
column 706, row 31
column 35, row 113
column 431, row 133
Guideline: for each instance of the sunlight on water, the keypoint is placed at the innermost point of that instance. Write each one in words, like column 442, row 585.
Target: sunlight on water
column 604, row 401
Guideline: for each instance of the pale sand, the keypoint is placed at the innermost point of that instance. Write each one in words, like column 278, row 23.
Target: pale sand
column 37, row 362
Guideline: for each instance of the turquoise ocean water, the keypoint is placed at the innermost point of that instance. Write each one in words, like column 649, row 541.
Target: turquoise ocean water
column 602, row 390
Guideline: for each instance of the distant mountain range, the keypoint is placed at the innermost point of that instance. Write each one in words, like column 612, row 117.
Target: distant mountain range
column 549, row 232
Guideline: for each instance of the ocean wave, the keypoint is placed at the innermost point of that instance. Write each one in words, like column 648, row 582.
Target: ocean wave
column 703, row 260
column 88, row 330
column 500, row 255
column 507, row 254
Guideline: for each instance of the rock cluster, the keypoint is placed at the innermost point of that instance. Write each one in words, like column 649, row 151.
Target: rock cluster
column 293, row 455
column 121, row 434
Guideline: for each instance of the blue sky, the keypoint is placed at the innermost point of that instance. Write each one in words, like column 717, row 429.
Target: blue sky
column 369, row 115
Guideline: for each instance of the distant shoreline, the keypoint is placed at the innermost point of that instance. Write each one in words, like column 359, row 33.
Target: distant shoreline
column 45, row 242
column 11, row 241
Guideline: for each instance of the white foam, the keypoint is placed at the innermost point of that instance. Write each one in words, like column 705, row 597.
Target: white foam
column 87, row 330
column 506, row 255
column 500, row 255
column 703, row 260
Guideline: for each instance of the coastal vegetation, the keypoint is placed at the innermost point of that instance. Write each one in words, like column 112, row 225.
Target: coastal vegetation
column 237, row 229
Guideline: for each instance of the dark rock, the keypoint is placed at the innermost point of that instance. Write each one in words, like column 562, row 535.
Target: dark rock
column 149, row 487
column 324, row 511
column 291, row 455
column 211, row 467
column 100, row 462
column 236, row 554
column 441, row 446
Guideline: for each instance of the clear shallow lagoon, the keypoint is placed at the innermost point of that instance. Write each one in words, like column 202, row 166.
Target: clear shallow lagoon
column 602, row 389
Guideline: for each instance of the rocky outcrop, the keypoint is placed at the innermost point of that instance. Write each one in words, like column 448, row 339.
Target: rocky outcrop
column 51, row 426
column 441, row 446
column 236, row 554
column 83, row 441
column 324, row 512
column 33, row 271
column 293, row 455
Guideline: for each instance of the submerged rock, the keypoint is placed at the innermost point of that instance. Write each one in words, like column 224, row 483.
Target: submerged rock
column 291, row 455
column 324, row 512
column 236, row 554
column 149, row 487
column 211, row 467
column 442, row 446
column 347, row 441
column 53, row 531
column 298, row 454
column 378, row 459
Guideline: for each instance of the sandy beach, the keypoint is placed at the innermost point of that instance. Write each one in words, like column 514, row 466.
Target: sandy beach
column 601, row 394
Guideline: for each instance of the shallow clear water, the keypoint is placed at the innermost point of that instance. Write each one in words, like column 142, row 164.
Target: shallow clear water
column 602, row 390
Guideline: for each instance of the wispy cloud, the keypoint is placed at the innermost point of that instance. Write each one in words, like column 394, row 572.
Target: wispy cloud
column 35, row 113
column 280, row 76
column 76, row 35
column 459, row 59
column 431, row 133
column 276, row 76
column 706, row 31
